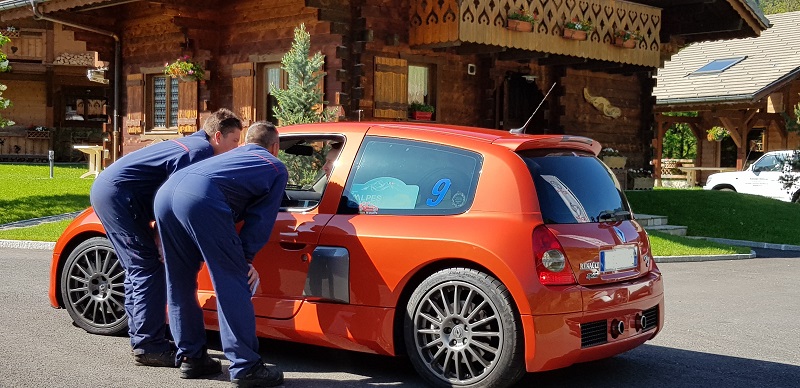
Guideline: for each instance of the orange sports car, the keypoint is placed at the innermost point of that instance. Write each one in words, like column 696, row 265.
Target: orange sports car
column 480, row 254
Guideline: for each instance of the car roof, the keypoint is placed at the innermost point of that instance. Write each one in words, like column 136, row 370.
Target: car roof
column 515, row 142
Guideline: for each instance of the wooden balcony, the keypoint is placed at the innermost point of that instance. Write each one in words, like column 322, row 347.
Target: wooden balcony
column 450, row 23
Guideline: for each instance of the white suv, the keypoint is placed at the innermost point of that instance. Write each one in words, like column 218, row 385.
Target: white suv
column 763, row 177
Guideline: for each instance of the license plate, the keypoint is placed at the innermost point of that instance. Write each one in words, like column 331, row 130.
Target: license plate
column 618, row 258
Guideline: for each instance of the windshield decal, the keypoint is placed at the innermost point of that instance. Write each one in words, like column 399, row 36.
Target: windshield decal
column 573, row 204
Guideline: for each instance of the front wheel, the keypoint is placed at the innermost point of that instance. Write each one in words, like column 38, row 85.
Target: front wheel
column 461, row 330
column 92, row 288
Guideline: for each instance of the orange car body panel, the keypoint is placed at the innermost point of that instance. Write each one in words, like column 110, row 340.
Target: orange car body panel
column 387, row 251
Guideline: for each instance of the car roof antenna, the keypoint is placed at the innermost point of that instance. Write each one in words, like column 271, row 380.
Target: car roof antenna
column 522, row 128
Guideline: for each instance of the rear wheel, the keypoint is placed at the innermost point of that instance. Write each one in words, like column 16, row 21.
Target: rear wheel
column 92, row 288
column 461, row 330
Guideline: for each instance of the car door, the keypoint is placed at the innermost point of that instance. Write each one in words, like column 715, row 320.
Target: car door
column 283, row 263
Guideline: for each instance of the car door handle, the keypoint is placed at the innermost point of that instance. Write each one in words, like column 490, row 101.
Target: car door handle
column 292, row 246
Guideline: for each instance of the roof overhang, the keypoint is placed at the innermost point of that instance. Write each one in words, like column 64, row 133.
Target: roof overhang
column 703, row 20
column 21, row 9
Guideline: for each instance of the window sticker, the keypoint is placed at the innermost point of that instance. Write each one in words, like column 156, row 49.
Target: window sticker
column 385, row 193
column 439, row 190
column 573, row 204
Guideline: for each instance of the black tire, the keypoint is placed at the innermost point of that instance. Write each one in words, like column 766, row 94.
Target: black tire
column 477, row 344
column 92, row 288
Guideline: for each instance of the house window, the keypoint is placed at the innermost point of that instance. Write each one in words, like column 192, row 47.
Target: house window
column 269, row 75
column 164, row 94
column 398, row 83
column 418, row 84
column 717, row 66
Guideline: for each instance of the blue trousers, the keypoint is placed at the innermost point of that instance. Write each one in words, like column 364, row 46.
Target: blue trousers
column 122, row 214
column 196, row 225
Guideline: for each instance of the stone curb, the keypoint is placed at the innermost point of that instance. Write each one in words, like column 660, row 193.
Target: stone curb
column 688, row 259
column 752, row 244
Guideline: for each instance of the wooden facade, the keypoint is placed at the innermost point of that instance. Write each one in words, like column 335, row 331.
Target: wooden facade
column 476, row 72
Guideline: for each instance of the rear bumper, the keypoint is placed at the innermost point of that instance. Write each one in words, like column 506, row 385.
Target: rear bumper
column 554, row 341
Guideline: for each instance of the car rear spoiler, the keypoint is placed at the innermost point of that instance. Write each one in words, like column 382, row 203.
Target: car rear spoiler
column 551, row 141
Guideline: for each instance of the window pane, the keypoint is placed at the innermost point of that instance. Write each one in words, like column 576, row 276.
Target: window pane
column 173, row 100
column 718, row 65
column 159, row 102
column 393, row 176
column 417, row 84
column 274, row 78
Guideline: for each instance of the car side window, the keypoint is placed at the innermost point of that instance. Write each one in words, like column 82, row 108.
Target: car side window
column 304, row 158
column 768, row 163
column 394, row 176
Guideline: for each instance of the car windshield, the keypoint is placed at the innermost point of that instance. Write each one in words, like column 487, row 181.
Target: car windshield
column 575, row 187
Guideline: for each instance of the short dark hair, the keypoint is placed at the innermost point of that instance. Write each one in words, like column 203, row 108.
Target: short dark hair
column 224, row 121
column 337, row 145
column 262, row 133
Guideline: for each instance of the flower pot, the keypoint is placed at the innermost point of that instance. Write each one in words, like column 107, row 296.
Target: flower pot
column 628, row 44
column 615, row 161
column 574, row 34
column 642, row 183
column 424, row 116
column 519, row 25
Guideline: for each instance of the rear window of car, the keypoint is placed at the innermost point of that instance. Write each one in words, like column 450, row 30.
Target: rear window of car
column 395, row 176
column 575, row 187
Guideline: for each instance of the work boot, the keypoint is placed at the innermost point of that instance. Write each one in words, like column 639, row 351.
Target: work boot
column 163, row 359
column 192, row 368
column 259, row 376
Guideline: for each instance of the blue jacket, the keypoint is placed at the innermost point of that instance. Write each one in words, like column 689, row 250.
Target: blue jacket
column 252, row 182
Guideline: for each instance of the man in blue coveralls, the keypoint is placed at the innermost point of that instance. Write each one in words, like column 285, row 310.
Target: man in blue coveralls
column 196, row 212
column 122, row 197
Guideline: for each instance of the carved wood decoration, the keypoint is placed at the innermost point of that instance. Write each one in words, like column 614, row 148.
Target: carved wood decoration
column 602, row 104
column 454, row 22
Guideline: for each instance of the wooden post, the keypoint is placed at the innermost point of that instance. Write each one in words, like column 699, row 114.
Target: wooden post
column 659, row 146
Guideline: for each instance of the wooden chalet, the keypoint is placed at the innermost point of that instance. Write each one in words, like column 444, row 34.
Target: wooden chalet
column 380, row 55
column 748, row 86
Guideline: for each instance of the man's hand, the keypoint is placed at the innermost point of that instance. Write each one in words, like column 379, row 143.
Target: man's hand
column 253, row 279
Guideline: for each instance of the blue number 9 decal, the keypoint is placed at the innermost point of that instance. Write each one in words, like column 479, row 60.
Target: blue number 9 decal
column 439, row 190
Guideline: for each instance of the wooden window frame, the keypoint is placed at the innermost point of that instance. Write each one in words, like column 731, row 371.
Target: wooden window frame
column 149, row 84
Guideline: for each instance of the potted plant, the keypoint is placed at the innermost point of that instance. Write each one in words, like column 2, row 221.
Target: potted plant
column 627, row 39
column 717, row 133
column 641, row 179
column 521, row 20
column 186, row 69
column 612, row 158
column 421, row 110
column 577, row 29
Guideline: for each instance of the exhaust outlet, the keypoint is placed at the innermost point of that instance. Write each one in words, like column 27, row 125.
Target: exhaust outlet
column 617, row 328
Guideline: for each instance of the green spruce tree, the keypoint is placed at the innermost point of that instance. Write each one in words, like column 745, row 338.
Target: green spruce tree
column 4, row 67
column 302, row 101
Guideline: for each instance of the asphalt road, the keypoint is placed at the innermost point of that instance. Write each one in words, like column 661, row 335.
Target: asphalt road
column 728, row 324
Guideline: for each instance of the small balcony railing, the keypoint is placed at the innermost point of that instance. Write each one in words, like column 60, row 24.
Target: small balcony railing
column 447, row 23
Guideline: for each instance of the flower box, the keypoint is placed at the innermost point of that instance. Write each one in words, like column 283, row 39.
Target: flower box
column 642, row 183
column 423, row 116
column 628, row 44
column 519, row 25
column 569, row 33
column 615, row 161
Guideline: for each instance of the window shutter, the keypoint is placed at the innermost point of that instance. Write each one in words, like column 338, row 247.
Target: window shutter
column 135, row 93
column 244, row 92
column 391, row 88
column 187, row 106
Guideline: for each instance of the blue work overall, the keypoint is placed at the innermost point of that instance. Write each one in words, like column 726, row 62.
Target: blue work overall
column 122, row 197
column 196, row 212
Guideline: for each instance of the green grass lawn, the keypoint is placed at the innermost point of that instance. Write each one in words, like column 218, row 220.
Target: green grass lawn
column 722, row 214
column 26, row 191
column 43, row 232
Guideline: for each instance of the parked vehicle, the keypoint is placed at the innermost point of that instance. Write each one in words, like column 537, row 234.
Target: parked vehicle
column 767, row 176
column 479, row 253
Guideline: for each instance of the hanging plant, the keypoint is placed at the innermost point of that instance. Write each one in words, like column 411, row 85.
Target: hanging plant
column 185, row 68
column 717, row 133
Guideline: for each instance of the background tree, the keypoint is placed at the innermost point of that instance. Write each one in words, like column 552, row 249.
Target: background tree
column 301, row 102
column 779, row 6
column 4, row 67
column 679, row 140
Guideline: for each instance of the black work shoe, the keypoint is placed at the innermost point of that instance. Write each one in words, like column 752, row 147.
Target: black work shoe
column 192, row 368
column 259, row 376
column 163, row 359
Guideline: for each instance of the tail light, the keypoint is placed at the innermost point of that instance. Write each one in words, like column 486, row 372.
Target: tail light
column 551, row 261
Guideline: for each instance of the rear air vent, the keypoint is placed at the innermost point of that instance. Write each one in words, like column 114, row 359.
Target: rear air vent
column 652, row 318
column 594, row 333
